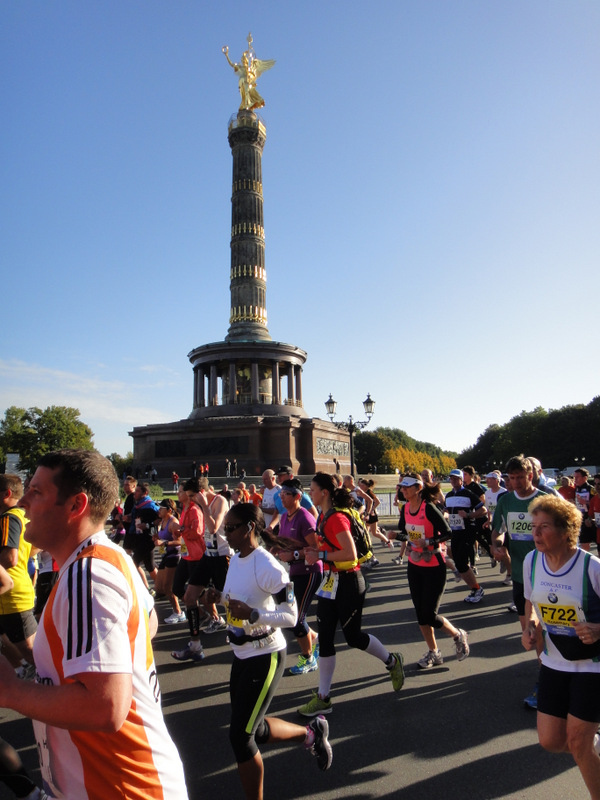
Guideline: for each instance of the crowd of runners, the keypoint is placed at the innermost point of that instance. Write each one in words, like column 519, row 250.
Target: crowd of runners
column 262, row 560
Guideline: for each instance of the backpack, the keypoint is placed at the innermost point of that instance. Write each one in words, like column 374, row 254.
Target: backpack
column 360, row 534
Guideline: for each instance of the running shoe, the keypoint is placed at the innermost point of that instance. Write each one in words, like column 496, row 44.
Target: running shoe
column 597, row 743
column 188, row 654
column 493, row 563
column 397, row 671
column 175, row 618
column 512, row 608
column 398, row 560
column 216, row 625
column 531, row 700
column 305, row 664
column 315, row 648
column 432, row 658
column 507, row 581
column 474, row 568
column 316, row 706
column 462, row 645
column 502, row 567
column 474, row 596
column 321, row 748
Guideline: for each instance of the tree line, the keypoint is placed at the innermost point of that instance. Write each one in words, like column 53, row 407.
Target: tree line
column 388, row 449
column 559, row 438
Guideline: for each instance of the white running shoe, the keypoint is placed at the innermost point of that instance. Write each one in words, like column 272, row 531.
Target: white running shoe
column 175, row 618
column 430, row 659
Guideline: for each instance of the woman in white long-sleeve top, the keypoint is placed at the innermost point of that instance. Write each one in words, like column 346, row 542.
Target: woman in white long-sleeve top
column 260, row 601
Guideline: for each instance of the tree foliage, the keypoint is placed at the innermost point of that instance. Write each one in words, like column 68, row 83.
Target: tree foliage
column 557, row 437
column 122, row 464
column 389, row 449
column 32, row 432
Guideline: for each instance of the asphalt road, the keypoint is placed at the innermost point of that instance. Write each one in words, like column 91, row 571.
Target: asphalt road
column 456, row 732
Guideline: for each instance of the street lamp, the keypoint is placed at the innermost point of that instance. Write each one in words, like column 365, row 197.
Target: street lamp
column 351, row 426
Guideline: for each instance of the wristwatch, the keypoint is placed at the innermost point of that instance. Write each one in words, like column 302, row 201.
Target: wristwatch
column 296, row 555
column 254, row 615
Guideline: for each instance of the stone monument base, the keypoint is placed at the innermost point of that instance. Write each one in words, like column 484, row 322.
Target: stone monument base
column 255, row 442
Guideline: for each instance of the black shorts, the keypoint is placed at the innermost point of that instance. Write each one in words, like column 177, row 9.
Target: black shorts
column 169, row 561
column 372, row 518
column 210, row 568
column 462, row 545
column 18, row 626
column 519, row 597
column 575, row 693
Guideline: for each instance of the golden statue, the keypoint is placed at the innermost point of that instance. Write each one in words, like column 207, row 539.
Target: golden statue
column 248, row 72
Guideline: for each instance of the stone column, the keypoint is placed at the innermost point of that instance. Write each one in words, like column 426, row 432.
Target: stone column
column 254, row 382
column 232, row 383
column 290, row 373
column 248, row 278
column 213, row 391
column 201, row 397
column 275, row 385
column 298, row 371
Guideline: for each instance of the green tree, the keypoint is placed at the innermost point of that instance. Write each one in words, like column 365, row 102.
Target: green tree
column 33, row 432
column 122, row 464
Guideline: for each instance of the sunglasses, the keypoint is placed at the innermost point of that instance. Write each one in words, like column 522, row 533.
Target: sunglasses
column 231, row 528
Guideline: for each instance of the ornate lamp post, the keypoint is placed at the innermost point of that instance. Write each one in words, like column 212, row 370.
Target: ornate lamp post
column 351, row 426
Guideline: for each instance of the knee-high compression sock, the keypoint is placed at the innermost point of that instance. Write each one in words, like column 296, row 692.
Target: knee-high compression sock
column 375, row 648
column 326, row 670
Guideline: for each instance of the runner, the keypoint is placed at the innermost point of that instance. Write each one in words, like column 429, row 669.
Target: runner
column 426, row 529
column 341, row 594
column 96, row 701
column 512, row 515
column 298, row 525
column 259, row 601
column 562, row 591
column 463, row 508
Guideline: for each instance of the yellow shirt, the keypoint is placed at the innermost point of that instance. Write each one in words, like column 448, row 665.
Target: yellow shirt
column 22, row 596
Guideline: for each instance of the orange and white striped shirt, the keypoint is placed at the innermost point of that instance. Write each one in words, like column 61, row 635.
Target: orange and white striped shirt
column 97, row 620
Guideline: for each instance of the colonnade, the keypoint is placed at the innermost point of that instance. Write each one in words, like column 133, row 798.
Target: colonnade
column 247, row 382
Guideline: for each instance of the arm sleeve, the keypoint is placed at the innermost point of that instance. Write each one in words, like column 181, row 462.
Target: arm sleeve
column 274, row 579
column 440, row 526
column 402, row 521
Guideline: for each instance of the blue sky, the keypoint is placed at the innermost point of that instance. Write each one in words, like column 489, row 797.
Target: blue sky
column 432, row 197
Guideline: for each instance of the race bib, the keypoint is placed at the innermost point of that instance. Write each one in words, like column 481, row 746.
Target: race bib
column 415, row 532
column 328, row 587
column 520, row 525
column 233, row 622
column 560, row 619
column 456, row 522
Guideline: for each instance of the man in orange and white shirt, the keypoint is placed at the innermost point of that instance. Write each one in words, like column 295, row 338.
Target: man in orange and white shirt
column 96, row 700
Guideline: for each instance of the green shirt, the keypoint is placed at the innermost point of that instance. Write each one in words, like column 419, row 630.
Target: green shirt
column 513, row 512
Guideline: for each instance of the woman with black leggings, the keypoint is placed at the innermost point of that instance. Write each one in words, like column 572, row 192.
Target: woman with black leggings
column 342, row 592
column 426, row 530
